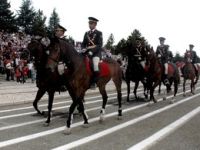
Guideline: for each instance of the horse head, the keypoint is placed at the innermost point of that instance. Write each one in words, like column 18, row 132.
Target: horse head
column 37, row 49
column 151, row 55
column 188, row 56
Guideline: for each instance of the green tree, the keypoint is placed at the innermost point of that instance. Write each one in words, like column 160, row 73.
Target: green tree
column 125, row 45
column 136, row 35
column 178, row 57
column 26, row 16
column 110, row 42
column 7, row 19
column 54, row 20
column 39, row 27
column 119, row 48
column 70, row 40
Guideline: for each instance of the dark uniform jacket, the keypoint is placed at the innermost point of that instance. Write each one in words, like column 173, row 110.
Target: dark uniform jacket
column 93, row 38
column 139, row 53
column 193, row 57
column 163, row 51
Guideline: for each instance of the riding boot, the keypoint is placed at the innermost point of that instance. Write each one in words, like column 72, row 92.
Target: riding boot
column 95, row 78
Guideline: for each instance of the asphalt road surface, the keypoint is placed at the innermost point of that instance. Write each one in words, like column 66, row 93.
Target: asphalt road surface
column 160, row 126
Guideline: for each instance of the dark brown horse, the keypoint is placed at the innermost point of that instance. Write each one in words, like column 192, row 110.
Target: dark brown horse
column 134, row 71
column 39, row 54
column 188, row 71
column 79, row 77
column 155, row 75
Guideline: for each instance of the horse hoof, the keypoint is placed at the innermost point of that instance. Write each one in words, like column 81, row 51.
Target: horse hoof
column 149, row 103
column 171, row 102
column 164, row 98
column 101, row 119
column 43, row 113
column 67, row 131
column 85, row 125
column 155, row 101
column 184, row 95
column 46, row 124
column 119, row 117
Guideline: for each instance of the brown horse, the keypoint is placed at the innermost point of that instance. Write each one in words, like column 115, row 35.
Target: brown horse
column 39, row 55
column 80, row 75
column 188, row 71
column 155, row 75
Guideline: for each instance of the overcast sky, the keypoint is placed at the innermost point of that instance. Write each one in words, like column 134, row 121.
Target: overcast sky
column 177, row 20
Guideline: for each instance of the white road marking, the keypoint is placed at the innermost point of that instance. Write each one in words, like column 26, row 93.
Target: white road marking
column 148, row 142
column 59, row 129
column 120, row 126
column 41, row 120
column 57, row 103
column 33, row 112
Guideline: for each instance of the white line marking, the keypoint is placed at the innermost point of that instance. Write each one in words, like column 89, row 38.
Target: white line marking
column 62, row 107
column 57, row 103
column 33, row 112
column 147, row 143
column 120, row 126
column 59, row 129
column 41, row 120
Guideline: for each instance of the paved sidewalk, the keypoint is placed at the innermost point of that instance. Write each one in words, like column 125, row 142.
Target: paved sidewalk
column 12, row 92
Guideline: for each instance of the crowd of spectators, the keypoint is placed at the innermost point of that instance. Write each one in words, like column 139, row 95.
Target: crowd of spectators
column 14, row 62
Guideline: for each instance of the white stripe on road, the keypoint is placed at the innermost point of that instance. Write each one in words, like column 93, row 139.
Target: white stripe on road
column 147, row 143
column 33, row 112
column 120, row 126
column 41, row 120
column 56, row 130
column 57, row 103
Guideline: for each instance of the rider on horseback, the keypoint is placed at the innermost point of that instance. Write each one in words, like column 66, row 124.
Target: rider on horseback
column 193, row 58
column 141, row 54
column 92, row 45
column 163, row 54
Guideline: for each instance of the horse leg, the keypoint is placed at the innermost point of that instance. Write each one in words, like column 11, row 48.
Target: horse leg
column 102, row 90
column 184, row 81
column 118, row 85
column 135, row 89
column 67, row 130
column 159, row 88
column 192, row 86
column 128, row 91
column 152, row 91
column 82, row 110
column 50, row 104
column 39, row 95
column 145, row 91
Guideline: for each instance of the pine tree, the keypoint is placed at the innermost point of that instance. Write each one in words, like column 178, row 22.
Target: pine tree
column 7, row 19
column 39, row 27
column 26, row 16
column 54, row 20
column 136, row 35
column 110, row 42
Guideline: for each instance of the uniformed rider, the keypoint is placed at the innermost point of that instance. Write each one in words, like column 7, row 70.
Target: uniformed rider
column 162, row 53
column 92, row 45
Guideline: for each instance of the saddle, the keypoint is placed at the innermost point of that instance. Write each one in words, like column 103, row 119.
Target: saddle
column 103, row 67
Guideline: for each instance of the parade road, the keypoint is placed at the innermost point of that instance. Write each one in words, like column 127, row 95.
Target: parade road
column 160, row 126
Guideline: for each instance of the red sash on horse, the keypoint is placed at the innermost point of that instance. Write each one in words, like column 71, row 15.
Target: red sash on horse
column 103, row 67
